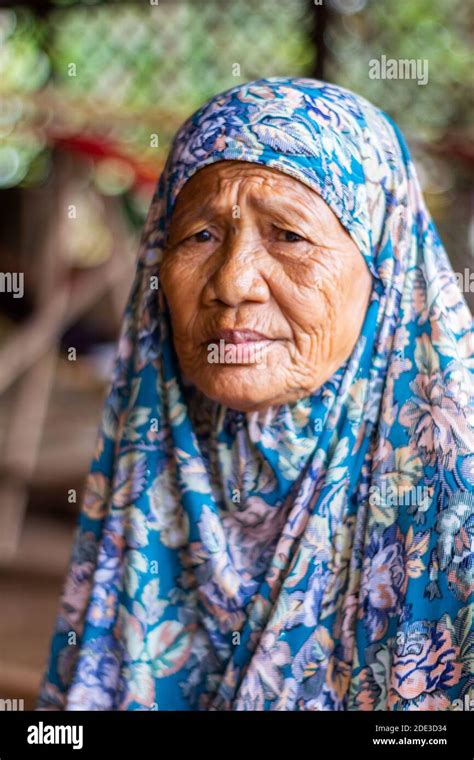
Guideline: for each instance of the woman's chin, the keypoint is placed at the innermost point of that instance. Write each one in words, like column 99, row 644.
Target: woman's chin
column 245, row 388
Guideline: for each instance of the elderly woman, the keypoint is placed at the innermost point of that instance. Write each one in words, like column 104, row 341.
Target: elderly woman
column 280, row 508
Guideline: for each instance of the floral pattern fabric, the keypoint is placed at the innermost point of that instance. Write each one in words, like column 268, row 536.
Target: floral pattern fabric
column 316, row 556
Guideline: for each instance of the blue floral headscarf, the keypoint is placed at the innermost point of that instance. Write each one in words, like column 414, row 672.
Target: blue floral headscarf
column 316, row 556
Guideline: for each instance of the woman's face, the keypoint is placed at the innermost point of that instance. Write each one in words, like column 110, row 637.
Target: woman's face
column 267, row 291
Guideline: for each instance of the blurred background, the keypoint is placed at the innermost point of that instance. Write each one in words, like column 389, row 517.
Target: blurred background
column 91, row 94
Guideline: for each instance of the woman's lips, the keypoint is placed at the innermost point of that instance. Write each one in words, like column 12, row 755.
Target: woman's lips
column 238, row 347
column 237, row 337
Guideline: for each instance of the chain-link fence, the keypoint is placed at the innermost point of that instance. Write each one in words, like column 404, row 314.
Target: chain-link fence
column 122, row 72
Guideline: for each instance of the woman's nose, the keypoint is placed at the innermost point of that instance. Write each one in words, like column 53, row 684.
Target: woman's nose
column 238, row 276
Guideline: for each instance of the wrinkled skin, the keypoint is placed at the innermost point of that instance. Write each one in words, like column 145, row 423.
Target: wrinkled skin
column 252, row 248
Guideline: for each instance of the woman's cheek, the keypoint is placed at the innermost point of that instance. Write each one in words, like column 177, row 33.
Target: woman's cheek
column 313, row 307
column 177, row 282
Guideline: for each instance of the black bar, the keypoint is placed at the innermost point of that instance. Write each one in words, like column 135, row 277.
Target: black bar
column 143, row 734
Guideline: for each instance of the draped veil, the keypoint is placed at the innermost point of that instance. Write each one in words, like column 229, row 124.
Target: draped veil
column 316, row 556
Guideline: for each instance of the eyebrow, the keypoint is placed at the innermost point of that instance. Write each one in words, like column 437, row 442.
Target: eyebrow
column 211, row 207
column 289, row 209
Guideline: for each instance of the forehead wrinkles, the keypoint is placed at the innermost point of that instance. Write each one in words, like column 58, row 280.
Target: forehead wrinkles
column 241, row 189
column 218, row 192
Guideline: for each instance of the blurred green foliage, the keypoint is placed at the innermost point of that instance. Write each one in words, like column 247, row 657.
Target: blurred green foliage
column 123, row 72
column 440, row 32
column 127, row 71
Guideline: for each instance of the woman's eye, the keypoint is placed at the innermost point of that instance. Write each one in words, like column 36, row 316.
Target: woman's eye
column 203, row 236
column 290, row 237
